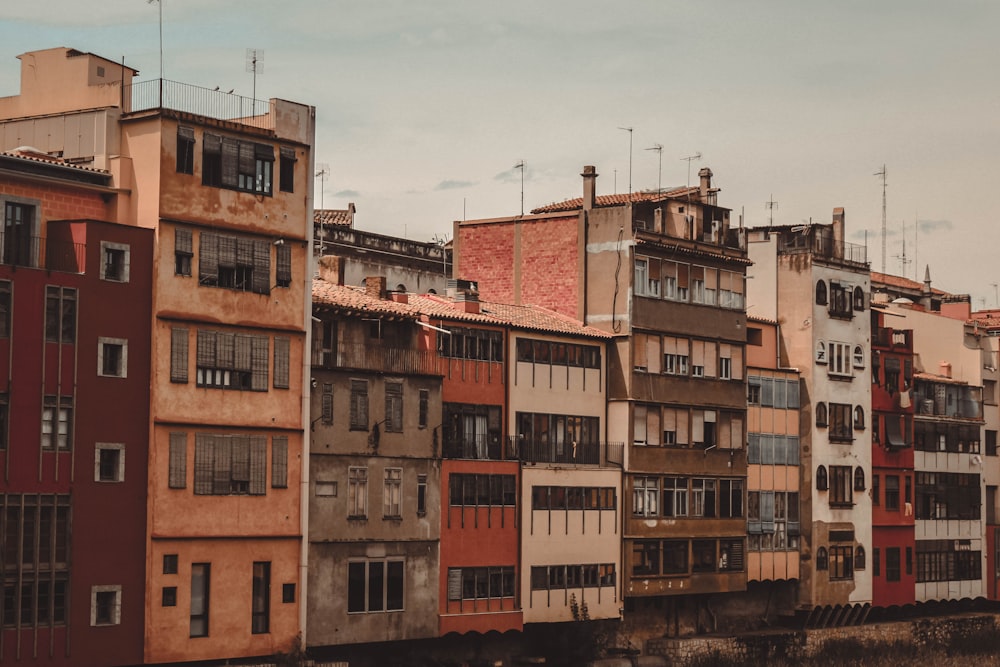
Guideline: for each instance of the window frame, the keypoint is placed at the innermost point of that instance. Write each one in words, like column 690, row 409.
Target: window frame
column 105, row 356
column 118, row 472
column 101, row 595
column 115, row 262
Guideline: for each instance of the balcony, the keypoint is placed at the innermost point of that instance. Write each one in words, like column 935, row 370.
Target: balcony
column 37, row 252
column 821, row 243
column 606, row 454
column 377, row 359
column 893, row 338
column 477, row 447
column 157, row 94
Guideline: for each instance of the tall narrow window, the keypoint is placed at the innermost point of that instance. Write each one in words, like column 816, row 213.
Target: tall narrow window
column 421, row 495
column 115, row 262
column 57, row 423
column 287, row 169
column 60, row 314
column 179, row 355
column 279, row 462
column 394, row 407
column 424, row 398
column 392, row 493
column 283, row 265
column 357, row 493
column 211, row 160
column 281, row 369
column 185, row 150
column 183, row 252
column 4, row 308
column 112, row 357
column 19, row 244
column 359, row 405
column 260, row 622
column 177, row 476
column 200, row 588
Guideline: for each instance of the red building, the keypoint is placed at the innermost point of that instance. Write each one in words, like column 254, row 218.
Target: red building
column 74, row 397
column 893, row 537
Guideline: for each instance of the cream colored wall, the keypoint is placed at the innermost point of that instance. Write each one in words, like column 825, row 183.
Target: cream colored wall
column 569, row 537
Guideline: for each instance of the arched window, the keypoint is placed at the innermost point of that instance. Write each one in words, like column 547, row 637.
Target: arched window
column 820, row 352
column 859, row 479
column 859, row 356
column 821, row 419
column 859, row 417
column 821, row 483
column 859, row 299
column 820, row 293
column 401, row 288
column 821, row 560
column 859, row 558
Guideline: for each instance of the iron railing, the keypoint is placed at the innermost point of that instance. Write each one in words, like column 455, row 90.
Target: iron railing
column 825, row 245
column 186, row 98
column 377, row 358
column 529, row 450
column 37, row 252
column 478, row 447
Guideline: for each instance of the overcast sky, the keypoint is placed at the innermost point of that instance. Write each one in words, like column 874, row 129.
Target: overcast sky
column 424, row 107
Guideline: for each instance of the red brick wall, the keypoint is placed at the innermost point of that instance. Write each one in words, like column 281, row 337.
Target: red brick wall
column 59, row 202
column 548, row 262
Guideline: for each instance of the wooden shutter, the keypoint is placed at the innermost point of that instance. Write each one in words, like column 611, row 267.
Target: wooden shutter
column 258, row 465
column 244, row 252
column 281, row 350
column 227, row 252
column 225, row 353
column 239, row 465
column 279, row 462
column 243, row 357
column 179, row 355
column 230, row 160
column 204, row 454
column 211, row 144
column 206, row 349
column 177, row 477
column 182, row 242
column 258, row 380
column 283, row 268
column 262, row 267
column 222, row 464
column 247, row 163
column 208, row 258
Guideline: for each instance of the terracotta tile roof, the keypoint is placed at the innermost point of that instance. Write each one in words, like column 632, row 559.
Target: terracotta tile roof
column 617, row 199
column 932, row 377
column 27, row 153
column 987, row 319
column 350, row 300
column 901, row 283
column 333, row 216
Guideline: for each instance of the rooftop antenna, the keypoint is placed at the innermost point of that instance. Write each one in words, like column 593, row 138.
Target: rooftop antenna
column 996, row 295
column 322, row 173
column 659, row 172
column 616, row 182
column 520, row 165
column 903, row 259
column 882, row 175
column 696, row 156
column 255, row 65
column 916, row 237
column 770, row 205
column 629, row 130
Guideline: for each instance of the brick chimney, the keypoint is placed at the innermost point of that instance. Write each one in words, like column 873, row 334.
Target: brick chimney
column 945, row 369
column 331, row 269
column 705, row 186
column 589, row 186
column 838, row 232
column 375, row 287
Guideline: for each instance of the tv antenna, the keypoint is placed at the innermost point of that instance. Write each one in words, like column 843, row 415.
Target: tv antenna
column 881, row 174
column 903, row 259
column 322, row 173
column 659, row 173
column 696, row 156
column 770, row 205
column 255, row 65
column 629, row 130
column 520, row 165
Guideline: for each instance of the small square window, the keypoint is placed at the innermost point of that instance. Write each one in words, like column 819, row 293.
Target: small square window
column 112, row 357
column 105, row 605
column 114, row 262
column 169, row 596
column 169, row 563
column 109, row 463
column 287, row 593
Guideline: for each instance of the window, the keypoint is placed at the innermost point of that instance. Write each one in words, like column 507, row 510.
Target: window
column 892, row 562
column 20, row 245
column 859, row 299
column 859, row 356
column 232, row 361
column 281, row 369
column 471, row 490
column 109, row 463
column 169, row 563
column 115, row 264
column 821, row 352
column 374, row 586
column 226, row 465
column 286, row 169
column 948, row 560
column 840, row 359
column 859, row 417
column 703, row 497
column 840, row 486
column 168, row 596
column 859, row 479
column 646, row 557
column 185, row 150
column 820, row 293
column 892, row 493
column 112, row 357
column 4, row 308
column 327, row 403
column 753, row 391
column 36, row 558
column 201, row 575
column 357, row 493
column 60, row 314
column 287, row 593
column 421, row 495
column 179, row 355
column 183, row 252
column 821, row 415
column 393, row 407
column 177, row 475
column 233, row 262
column 730, row 498
column 876, row 491
column 105, row 605
column 859, row 558
column 822, row 559
column 472, row 583
column 279, row 462
column 991, row 442
column 821, row 479
column 283, row 264
column 423, row 402
column 237, row 165
column 260, row 615
column 675, row 496
column 359, row 405
column 841, row 562
column 392, row 493
column 645, row 496
column 57, row 423
column 675, row 355
column 840, row 300
column 841, row 423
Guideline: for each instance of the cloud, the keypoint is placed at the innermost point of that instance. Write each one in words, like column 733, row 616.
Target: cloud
column 347, row 193
column 513, row 175
column 933, row 225
column 453, row 185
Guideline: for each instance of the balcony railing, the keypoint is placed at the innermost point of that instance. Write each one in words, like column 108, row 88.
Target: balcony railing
column 825, row 245
column 887, row 337
column 595, row 453
column 481, row 447
column 377, row 358
column 184, row 97
column 38, row 252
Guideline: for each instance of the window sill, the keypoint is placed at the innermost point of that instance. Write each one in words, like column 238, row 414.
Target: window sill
column 394, row 519
column 357, row 518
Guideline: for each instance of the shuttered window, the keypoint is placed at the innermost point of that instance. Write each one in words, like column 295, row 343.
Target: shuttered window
column 394, row 407
column 230, row 464
column 177, row 477
column 283, row 265
column 279, row 462
column 233, row 262
column 281, row 350
column 233, row 361
column 179, row 355
column 359, row 405
column 183, row 252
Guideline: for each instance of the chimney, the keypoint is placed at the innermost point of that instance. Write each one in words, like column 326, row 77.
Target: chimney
column 589, row 186
column 350, row 214
column 331, row 269
column 375, row 287
column 705, row 174
column 945, row 369
column 400, row 297
column 838, row 232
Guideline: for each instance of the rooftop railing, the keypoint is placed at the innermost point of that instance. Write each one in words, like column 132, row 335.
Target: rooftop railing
column 38, row 252
column 824, row 245
column 211, row 103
